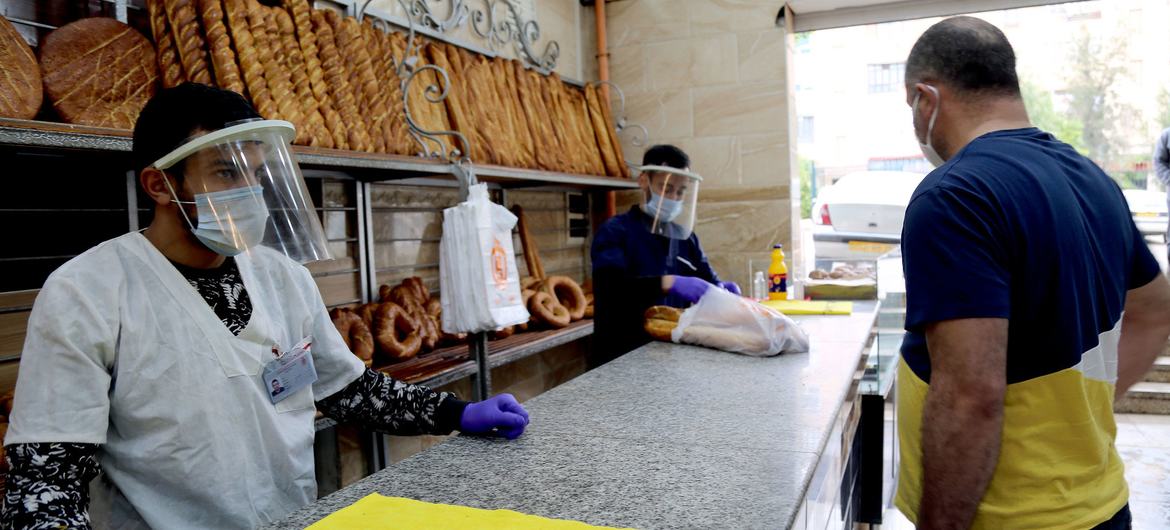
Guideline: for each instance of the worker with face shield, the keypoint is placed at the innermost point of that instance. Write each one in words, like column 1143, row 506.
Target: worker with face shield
column 186, row 362
column 650, row 254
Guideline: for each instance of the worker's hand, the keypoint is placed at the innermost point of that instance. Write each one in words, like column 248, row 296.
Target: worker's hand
column 688, row 288
column 500, row 415
column 731, row 287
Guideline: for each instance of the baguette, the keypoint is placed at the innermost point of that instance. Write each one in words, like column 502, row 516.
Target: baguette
column 341, row 94
column 189, row 40
column 223, row 59
column 587, row 142
column 605, row 148
column 249, row 57
column 523, row 135
column 554, row 101
column 266, row 33
column 164, row 40
column 352, row 46
column 457, row 107
column 317, row 132
column 307, row 40
column 611, row 130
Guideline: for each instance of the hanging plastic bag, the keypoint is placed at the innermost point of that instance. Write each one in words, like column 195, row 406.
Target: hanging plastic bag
column 724, row 321
column 477, row 266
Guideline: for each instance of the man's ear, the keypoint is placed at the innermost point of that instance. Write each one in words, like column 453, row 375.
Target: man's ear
column 153, row 183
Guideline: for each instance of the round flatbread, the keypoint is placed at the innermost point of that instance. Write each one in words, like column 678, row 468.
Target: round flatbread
column 20, row 77
column 98, row 71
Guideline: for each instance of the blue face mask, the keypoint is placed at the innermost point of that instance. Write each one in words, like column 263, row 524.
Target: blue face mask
column 666, row 209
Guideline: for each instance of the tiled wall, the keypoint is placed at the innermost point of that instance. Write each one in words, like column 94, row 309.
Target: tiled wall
column 712, row 77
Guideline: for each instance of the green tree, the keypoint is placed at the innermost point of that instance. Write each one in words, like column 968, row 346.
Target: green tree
column 1044, row 115
column 1164, row 106
column 806, row 197
column 1096, row 64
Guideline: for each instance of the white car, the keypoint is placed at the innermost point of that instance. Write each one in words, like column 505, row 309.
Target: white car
column 1149, row 211
column 860, row 216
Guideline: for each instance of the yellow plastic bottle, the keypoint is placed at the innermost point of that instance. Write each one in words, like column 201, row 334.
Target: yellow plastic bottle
column 778, row 275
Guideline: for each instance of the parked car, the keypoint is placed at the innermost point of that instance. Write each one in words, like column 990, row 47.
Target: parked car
column 1149, row 211
column 860, row 216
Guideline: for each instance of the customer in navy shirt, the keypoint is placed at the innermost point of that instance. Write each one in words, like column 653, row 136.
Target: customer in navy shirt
column 1032, row 300
column 634, row 268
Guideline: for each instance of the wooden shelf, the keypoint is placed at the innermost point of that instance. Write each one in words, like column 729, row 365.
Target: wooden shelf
column 369, row 167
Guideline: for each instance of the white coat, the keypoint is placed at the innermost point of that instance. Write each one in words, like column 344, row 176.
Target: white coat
column 123, row 352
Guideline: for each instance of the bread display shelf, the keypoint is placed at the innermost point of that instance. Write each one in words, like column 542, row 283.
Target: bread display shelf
column 370, row 167
column 447, row 365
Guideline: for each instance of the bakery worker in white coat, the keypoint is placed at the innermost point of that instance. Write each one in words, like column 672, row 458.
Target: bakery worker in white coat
column 151, row 357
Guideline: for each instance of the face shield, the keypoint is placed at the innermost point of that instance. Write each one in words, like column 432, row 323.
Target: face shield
column 670, row 200
column 248, row 191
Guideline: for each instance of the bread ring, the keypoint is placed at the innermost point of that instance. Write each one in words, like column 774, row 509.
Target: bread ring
column 661, row 321
column 396, row 334
column 546, row 309
column 421, row 293
column 530, row 283
column 355, row 333
column 503, row 333
column 568, row 294
column 434, row 307
column 588, row 305
column 366, row 313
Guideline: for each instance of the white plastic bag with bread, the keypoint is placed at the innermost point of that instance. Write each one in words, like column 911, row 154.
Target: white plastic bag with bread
column 724, row 321
column 477, row 266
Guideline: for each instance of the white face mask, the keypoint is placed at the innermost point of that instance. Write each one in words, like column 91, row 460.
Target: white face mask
column 666, row 209
column 928, row 150
column 230, row 221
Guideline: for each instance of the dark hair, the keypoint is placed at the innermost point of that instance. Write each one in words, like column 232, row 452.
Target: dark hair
column 968, row 54
column 666, row 155
column 174, row 114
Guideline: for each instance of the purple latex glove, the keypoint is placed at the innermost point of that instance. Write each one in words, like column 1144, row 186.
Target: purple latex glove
column 731, row 287
column 688, row 288
column 500, row 415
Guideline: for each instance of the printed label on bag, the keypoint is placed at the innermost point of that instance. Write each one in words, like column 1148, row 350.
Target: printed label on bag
column 499, row 264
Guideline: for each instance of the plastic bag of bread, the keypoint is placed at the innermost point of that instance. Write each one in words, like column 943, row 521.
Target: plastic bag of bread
column 477, row 267
column 727, row 322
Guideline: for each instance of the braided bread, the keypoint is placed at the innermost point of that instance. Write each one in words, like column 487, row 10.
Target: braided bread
column 383, row 87
column 21, row 93
column 98, row 71
column 223, row 59
column 307, row 40
column 164, row 41
column 249, row 56
column 266, row 33
column 189, row 40
column 399, row 140
column 342, row 96
column 318, row 134
column 352, row 45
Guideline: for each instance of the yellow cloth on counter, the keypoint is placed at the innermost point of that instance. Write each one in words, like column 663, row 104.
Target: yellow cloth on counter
column 377, row 512
column 810, row 307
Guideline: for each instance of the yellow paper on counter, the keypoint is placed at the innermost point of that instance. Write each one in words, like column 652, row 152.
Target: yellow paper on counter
column 810, row 307
column 375, row 512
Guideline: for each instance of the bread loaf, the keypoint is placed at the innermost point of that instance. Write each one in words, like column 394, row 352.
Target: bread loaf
column 164, row 41
column 189, row 40
column 307, row 41
column 318, row 134
column 266, row 35
column 249, row 58
column 584, row 130
column 98, row 71
column 458, row 105
column 562, row 125
column 611, row 130
column 604, row 147
column 20, row 85
column 341, row 94
column 223, row 59
column 352, row 45
column 548, row 154
column 385, row 69
column 660, row 322
column 523, row 136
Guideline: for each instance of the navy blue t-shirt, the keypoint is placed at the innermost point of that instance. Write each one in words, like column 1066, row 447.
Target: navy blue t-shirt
column 1018, row 225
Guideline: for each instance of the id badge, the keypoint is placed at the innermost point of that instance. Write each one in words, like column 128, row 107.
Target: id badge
column 290, row 372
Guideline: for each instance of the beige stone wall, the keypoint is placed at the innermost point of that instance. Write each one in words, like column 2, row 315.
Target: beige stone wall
column 711, row 76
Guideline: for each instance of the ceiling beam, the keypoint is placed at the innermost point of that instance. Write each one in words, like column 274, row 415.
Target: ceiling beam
column 899, row 10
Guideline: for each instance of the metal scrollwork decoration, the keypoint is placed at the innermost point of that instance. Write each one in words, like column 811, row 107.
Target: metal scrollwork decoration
column 510, row 28
column 637, row 133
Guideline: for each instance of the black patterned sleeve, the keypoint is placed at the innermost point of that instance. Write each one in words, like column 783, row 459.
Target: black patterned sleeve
column 48, row 485
column 381, row 403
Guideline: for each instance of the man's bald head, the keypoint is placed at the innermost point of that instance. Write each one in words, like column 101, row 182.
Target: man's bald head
column 969, row 55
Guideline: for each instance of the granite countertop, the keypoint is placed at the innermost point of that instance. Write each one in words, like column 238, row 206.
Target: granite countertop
column 666, row 436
